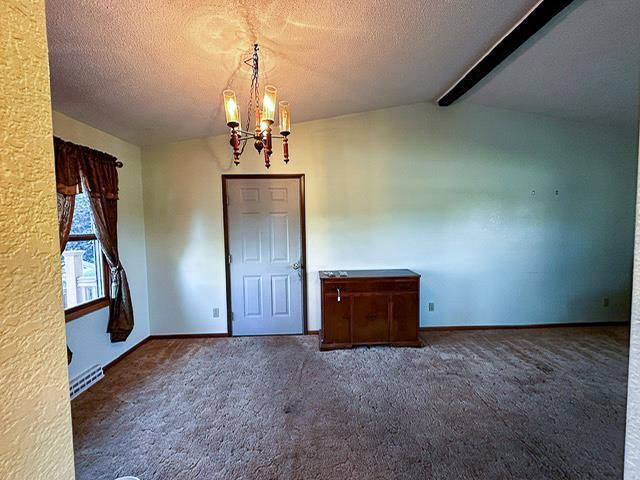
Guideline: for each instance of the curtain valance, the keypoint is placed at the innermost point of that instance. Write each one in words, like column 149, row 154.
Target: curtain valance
column 76, row 161
column 67, row 160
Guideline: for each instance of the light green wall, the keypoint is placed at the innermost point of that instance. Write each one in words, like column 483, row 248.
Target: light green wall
column 445, row 192
column 632, row 434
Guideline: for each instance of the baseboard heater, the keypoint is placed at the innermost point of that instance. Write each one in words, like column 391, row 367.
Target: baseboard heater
column 86, row 379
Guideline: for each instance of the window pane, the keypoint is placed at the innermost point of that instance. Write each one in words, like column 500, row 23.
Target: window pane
column 82, row 219
column 82, row 272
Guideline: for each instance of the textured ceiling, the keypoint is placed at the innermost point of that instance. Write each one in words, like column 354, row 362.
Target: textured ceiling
column 153, row 71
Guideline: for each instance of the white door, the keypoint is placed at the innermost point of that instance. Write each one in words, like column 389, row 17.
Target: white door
column 265, row 243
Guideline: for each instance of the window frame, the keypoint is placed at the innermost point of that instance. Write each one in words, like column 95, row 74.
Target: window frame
column 83, row 309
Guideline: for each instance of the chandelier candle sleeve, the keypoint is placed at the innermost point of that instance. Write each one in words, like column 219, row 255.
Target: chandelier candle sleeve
column 267, row 159
column 285, row 148
column 269, row 104
column 285, row 118
column 235, row 143
column 231, row 109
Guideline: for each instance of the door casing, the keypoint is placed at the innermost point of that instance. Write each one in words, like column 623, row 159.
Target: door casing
column 230, row 177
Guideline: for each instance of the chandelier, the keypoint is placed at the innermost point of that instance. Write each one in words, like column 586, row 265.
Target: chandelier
column 262, row 135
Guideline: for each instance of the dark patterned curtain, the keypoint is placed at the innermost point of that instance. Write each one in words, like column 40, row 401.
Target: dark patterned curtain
column 100, row 178
column 76, row 166
column 67, row 186
column 66, row 204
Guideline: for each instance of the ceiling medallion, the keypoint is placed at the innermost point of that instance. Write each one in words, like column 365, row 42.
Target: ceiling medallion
column 264, row 118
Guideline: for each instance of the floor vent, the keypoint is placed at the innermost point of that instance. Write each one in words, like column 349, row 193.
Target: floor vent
column 83, row 381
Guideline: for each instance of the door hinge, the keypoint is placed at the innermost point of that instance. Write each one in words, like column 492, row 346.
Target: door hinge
column 232, row 316
column 229, row 258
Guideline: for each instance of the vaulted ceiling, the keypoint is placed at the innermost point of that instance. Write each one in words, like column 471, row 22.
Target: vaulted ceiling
column 153, row 71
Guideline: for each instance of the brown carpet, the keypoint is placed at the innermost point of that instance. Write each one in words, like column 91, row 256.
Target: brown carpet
column 522, row 404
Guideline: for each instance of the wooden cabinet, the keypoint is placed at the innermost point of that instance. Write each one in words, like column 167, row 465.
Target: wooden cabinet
column 369, row 307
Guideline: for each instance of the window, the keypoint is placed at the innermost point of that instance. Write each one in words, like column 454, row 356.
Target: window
column 84, row 275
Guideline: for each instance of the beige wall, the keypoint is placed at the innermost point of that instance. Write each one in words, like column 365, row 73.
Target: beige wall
column 466, row 196
column 35, row 423
column 87, row 336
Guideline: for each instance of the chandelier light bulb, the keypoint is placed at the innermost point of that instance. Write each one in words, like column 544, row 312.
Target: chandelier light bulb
column 231, row 109
column 269, row 104
column 285, row 118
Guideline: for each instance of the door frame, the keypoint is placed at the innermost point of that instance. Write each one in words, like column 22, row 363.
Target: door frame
column 303, row 238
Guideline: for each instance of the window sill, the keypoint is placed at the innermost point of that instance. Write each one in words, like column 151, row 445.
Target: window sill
column 85, row 309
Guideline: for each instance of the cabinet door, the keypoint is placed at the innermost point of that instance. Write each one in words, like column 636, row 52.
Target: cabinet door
column 370, row 318
column 336, row 326
column 404, row 317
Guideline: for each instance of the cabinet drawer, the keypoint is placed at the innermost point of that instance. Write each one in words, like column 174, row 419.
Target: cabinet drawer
column 371, row 286
column 406, row 286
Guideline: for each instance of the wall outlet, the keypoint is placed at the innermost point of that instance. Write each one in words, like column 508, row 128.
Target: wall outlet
column 216, row 312
column 432, row 306
column 605, row 302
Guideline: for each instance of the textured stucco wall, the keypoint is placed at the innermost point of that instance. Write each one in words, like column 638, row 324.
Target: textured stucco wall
column 632, row 444
column 35, row 421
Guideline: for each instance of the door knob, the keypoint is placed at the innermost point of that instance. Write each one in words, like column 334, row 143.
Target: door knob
column 296, row 266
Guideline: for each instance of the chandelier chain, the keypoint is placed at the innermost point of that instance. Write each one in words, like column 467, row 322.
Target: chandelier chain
column 254, row 95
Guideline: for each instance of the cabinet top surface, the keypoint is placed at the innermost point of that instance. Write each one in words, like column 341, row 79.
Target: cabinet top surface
column 402, row 273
